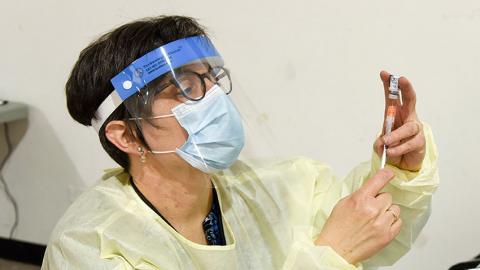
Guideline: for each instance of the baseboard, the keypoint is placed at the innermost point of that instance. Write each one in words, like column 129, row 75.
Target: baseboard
column 21, row 251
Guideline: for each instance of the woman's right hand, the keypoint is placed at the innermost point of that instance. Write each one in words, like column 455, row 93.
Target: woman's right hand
column 364, row 222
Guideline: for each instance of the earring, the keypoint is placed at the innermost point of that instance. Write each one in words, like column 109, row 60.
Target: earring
column 142, row 154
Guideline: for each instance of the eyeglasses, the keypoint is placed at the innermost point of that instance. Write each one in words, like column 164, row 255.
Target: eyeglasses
column 191, row 84
column 188, row 84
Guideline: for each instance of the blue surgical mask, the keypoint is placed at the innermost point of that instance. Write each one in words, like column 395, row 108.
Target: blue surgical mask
column 215, row 131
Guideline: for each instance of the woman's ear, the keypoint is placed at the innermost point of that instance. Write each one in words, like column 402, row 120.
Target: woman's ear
column 118, row 134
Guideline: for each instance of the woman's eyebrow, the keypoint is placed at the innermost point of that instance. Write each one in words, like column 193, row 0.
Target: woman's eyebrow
column 165, row 89
column 194, row 67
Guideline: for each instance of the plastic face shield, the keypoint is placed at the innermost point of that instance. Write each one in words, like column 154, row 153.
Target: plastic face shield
column 182, row 83
column 159, row 89
column 183, row 64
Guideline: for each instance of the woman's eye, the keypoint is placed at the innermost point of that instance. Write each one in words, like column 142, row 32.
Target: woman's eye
column 188, row 90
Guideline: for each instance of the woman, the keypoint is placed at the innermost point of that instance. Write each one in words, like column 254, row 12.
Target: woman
column 156, row 90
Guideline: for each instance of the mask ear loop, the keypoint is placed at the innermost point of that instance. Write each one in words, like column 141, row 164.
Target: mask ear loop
column 135, row 130
column 162, row 152
column 167, row 59
column 145, row 100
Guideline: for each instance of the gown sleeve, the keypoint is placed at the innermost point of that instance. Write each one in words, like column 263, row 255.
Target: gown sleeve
column 72, row 252
column 412, row 191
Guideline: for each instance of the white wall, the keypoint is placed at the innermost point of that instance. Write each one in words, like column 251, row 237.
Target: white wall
column 310, row 66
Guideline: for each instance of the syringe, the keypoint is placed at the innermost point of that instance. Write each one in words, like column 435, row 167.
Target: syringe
column 394, row 97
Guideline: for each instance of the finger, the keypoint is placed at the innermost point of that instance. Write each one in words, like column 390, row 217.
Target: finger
column 384, row 200
column 408, row 93
column 389, row 216
column 385, row 77
column 373, row 186
column 394, row 213
column 407, row 130
column 395, row 229
column 414, row 144
column 378, row 146
column 379, row 142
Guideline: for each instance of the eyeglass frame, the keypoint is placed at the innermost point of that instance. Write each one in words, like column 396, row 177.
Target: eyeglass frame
column 204, row 88
column 202, row 81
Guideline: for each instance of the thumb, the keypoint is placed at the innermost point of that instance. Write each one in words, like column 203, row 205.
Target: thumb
column 374, row 185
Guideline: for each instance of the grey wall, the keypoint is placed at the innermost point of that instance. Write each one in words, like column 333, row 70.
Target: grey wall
column 310, row 68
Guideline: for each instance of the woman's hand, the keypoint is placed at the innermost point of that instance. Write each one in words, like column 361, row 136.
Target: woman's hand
column 363, row 223
column 406, row 143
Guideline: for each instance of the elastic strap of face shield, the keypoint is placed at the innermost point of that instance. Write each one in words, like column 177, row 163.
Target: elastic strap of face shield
column 105, row 110
column 151, row 66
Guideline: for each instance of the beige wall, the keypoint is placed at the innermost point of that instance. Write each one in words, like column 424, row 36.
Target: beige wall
column 311, row 68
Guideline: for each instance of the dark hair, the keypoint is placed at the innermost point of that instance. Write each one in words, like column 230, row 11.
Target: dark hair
column 89, row 82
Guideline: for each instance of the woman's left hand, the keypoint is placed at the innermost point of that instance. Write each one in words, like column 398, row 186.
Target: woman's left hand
column 406, row 142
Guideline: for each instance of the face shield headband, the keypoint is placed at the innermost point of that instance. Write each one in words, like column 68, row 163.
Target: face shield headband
column 152, row 65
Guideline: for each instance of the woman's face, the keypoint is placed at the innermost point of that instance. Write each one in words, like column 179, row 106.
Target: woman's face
column 166, row 134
